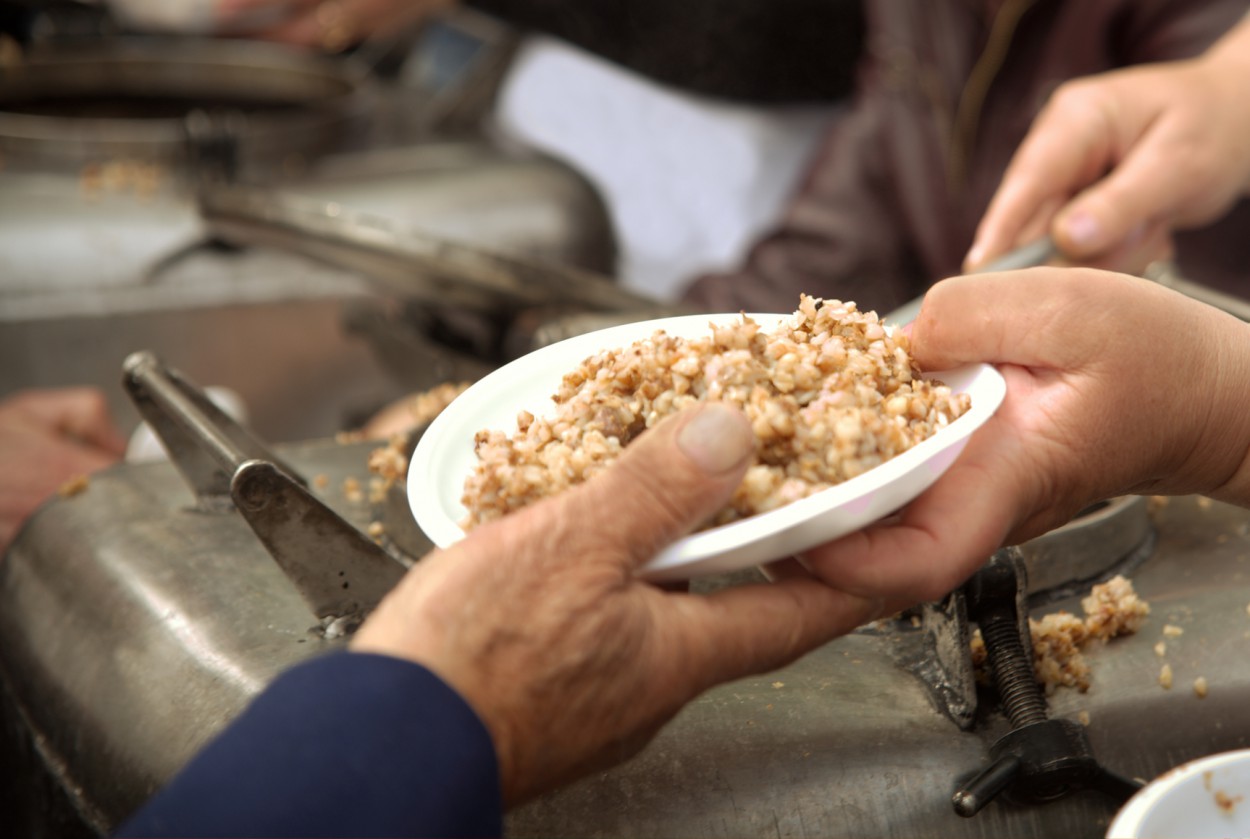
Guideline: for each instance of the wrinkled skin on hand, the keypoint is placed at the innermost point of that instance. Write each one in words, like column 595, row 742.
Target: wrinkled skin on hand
column 572, row 662
column 1116, row 161
column 1114, row 385
column 48, row 437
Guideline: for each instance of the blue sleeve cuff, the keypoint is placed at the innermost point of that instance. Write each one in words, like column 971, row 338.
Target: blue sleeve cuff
column 346, row 744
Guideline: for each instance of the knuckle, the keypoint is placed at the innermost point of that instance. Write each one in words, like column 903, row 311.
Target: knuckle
column 1075, row 98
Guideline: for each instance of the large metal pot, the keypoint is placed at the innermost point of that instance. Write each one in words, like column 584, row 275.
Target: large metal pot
column 167, row 99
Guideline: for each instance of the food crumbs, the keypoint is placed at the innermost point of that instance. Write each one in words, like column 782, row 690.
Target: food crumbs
column 76, row 485
column 1165, row 677
column 351, row 490
column 389, row 462
column 1204, row 503
column 1083, row 717
column 1225, row 801
column 768, row 707
column 344, row 438
column 321, row 481
column 376, row 529
column 1161, row 649
column 830, row 393
column 779, row 685
column 1172, row 631
column 1200, row 687
column 1112, row 609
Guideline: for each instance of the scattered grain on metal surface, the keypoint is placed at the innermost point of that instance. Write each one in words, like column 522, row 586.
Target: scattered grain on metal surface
column 1165, row 677
column 428, row 404
column 1112, row 609
column 830, row 394
column 1172, row 631
column 390, row 462
column 1200, row 687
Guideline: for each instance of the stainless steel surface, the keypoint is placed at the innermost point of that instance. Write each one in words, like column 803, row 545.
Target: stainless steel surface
column 474, row 192
column 135, row 624
column 127, row 647
column 1115, row 533
column 406, row 260
column 86, row 279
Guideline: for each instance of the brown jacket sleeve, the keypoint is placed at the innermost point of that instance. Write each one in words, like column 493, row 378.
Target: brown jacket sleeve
column 839, row 238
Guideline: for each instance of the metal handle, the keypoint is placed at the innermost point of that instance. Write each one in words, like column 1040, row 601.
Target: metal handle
column 203, row 442
column 403, row 260
column 1040, row 759
column 338, row 571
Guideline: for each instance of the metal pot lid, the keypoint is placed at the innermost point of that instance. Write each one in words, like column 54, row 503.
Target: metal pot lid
column 405, row 261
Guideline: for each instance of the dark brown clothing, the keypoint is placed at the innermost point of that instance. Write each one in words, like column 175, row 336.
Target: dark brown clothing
column 947, row 93
column 754, row 50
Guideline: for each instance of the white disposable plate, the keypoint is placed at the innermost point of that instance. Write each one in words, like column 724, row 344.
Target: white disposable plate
column 444, row 457
column 1206, row 797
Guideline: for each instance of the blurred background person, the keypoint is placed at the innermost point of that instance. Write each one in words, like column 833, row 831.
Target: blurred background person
column 947, row 92
column 692, row 120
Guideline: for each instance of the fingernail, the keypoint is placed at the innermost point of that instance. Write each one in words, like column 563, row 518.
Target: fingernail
column 717, row 438
column 1083, row 230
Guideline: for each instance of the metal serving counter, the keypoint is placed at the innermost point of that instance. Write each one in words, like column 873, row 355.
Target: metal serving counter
column 134, row 623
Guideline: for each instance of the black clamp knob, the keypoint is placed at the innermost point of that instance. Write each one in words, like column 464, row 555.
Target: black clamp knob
column 1040, row 759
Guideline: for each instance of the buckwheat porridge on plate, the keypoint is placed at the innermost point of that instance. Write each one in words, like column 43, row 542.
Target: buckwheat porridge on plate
column 830, row 393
